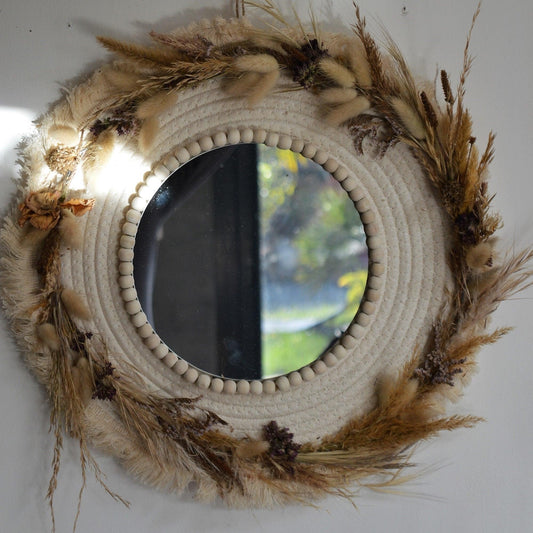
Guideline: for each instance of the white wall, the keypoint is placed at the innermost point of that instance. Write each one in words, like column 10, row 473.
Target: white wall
column 478, row 480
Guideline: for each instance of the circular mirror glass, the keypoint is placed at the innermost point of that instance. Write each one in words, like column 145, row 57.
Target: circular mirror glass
column 250, row 261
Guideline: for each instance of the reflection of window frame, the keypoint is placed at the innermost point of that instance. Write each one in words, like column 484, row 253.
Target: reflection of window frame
column 232, row 209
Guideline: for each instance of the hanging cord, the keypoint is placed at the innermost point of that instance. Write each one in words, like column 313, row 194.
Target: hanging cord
column 239, row 8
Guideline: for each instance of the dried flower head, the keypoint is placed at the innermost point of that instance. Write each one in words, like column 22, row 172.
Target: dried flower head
column 42, row 209
column 280, row 440
column 62, row 159
column 305, row 62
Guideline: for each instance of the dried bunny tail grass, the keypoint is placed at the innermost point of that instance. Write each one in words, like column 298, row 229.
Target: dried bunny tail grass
column 243, row 84
column 337, row 95
column 360, row 67
column 261, row 63
column 147, row 134
column 69, row 229
column 75, row 305
column 64, row 134
column 47, row 333
column 157, row 104
column 262, row 88
column 337, row 73
column 344, row 112
column 409, row 117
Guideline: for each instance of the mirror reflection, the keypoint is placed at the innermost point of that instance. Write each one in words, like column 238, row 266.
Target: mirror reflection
column 250, row 261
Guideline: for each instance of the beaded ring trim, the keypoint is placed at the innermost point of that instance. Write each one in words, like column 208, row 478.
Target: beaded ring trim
column 155, row 178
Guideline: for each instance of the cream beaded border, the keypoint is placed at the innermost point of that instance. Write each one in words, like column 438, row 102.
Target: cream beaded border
column 145, row 191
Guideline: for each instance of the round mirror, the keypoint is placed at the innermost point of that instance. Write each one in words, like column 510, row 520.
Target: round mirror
column 250, row 261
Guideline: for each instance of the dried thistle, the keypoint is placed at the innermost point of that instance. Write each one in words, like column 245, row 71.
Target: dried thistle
column 62, row 159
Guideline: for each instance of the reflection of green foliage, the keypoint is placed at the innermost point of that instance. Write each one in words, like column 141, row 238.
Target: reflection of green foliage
column 355, row 282
column 277, row 181
column 285, row 352
column 327, row 246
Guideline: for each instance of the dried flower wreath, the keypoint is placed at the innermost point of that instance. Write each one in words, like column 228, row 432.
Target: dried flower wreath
column 361, row 87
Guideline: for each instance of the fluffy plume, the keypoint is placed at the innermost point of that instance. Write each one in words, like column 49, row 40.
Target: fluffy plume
column 48, row 335
column 75, row 305
column 261, row 63
column 344, row 112
column 409, row 118
column 122, row 80
column 337, row 72
column 69, row 229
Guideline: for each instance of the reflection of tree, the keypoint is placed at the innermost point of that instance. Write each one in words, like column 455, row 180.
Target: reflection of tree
column 310, row 230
